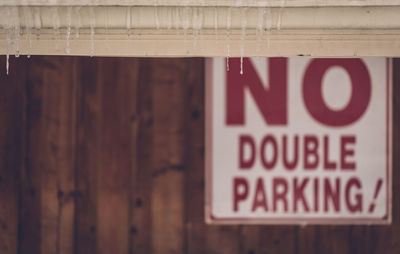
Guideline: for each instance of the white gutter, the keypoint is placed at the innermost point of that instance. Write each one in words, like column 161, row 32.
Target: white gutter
column 308, row 31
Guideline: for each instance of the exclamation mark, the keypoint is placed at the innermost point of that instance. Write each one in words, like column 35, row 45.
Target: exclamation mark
column 377, row 189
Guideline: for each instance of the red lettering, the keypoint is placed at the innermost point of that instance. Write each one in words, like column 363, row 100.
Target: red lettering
column 271, row 102
column 260, row 200
column 239, row 195
column 346, row 152
column 357, row 205
column 290, row 164
column 269, row 139
column 360, row 93
column 298, row 190
column 327, row 164
column 332, row 194
column 310, row 151
column 280, row 195
column 248, row 141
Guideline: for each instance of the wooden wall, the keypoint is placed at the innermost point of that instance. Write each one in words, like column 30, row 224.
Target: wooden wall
column 106, row 155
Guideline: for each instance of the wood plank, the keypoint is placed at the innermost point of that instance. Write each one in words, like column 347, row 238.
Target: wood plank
column 29, row 235
column 168, row 177
column 194, row 178
column 115, row 151
column 88, row 153
column 58, row 161
column 142, row 156
column 11, row 139
column 278, row 239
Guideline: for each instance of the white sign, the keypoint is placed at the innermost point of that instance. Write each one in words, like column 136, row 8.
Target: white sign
column 299, row 141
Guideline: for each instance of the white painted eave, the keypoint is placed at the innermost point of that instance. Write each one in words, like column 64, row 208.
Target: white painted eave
column 324, row 28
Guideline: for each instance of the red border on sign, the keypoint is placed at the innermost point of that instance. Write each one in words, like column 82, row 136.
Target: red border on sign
column 210, row 218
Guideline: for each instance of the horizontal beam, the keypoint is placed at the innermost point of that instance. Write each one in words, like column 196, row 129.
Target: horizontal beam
column 294, row 43
column 225, row 3
column 325, row 31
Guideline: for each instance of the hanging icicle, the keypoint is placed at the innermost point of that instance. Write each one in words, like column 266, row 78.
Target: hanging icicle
column 244, row 24
column 92, row 26
column 128, row 21
column 279, row 21
column 16, row 28
column 28, row 17
column 268, row 25
column 37, row 20
column 259, row 28
column 77, row 21
column 216, row 24
column 185, row 24
column 56, row 25
column 228, row 28
column 68, row 34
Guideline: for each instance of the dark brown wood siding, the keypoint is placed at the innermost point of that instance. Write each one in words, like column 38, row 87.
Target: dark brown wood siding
column 106, row 155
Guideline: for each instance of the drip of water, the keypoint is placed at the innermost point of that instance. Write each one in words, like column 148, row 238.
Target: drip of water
column 8, row 27
column 28, row 25
column 177, row 20
column 77, row 21
column 197, row 24
column 259, row 30
column 92, row 25
column 68, row 35
column 156, row 14
column 216, row 23
column 185, row 24
column 228, row 29
column 244, row 24
column 241, row 60
column 15, row 23
column 268, row 25
column 279, row 21
column 169, row 23
column 56, row 25
column 128, row 21
column 37, row 21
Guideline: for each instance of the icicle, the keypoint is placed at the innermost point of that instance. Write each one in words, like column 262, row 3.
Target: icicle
column 244, row 24
column 241, row 60
column 228, row 28
column 185, row 24
column 92, row 25
column 28, row 25
column 37, row 20
column 9, row 42
column 56, row 25
column 177, row 20
column 77, row 21
column 268, row 25
column 156, row 14
column 17, row 30
column 279, row 21
column 197, row 24
column 216, row 24
column 68, row 35
column 259, row 30
column 169, row 23
column 128, row 21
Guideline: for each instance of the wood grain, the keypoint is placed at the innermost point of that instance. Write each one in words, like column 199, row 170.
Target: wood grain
column 106, row 155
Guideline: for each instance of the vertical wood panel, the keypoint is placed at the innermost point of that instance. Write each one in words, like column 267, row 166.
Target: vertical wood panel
column 168, row 176
column 88, row 162
column 29, row 235
column 11, row 121
column 194, row 179
column 58, row 161
column 141, row 179
column 114, row 171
